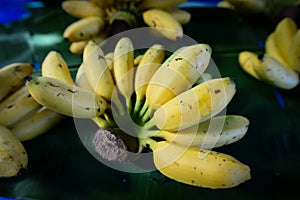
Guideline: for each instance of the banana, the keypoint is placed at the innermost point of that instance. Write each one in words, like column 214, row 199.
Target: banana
column 97, row 71
column 225, row 4
column 81, row 9
column 78, row 47
column 64, row 98
column 213, row 133
column 13, row 156
column 198, row 167
column 137, row 60
column 17, row 106
column 283, row 34
column 183, row 68
column 248, row 61
column 147, row 4
column 148, row 65
column 163, row 23
column 55, row 66
column 83, row 29
column 102, row 3
column 293, row 55
column 109, row 60
column 182, row 16
column 249, row 6
column 194, row 105
column 273, row 72
column 37, row 124
column 81, row 79
column 12, row 77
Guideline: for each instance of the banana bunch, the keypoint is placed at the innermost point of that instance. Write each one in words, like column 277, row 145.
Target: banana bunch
column 280, row 64
column 136, row 108
column 97, row 19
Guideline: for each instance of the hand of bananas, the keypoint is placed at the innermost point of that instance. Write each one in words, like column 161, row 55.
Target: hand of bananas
column 99, row 18
column 153, row 97
column 280, row 64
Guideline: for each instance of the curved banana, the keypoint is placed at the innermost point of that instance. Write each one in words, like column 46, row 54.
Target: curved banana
column 213, row 133
column 103, row 3
column 183, row 68
column 163, row 23
column 249, row 6
column 17, row 107
column 55, row 66
column 194, row 105
column 12, row 77
column 66, row 99
column 182, row 16
column 78, row 47
column 248, row 61
column 13, row 156
column 83, row 29
column 81, row 9
column 293, row 55
column 146, row 4
column 198, row 167
column 81, row 79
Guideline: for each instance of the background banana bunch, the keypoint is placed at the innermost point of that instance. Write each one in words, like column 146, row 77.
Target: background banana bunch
column 100, row 18
column 280, row 63
column 175, row 117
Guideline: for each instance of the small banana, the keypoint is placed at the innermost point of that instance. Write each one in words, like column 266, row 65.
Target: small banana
column 198, row 167
column 17, row 107
column 293, row 55
column 213, row 133
column 83, row 29
column 13, row 156
column 182, row 16
column 55, row 66
column 249, row 6
column 164, row 23
column 146, row 4
column 37, row 124
column 81, row 9
column 102, row 3
column 12, row 77
column 248, row 61
column 195, row 105
column 81, row 79
column 64, row 98
column 78, row 47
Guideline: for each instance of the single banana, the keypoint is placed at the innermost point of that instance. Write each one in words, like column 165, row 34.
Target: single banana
column 182, row 16
column 213, row 133
column 137, row 60
column 78, row 47
column 55, row 66
column 293, row 55
column 18, row 106
column 97, row 71
column 64, row 98
column 198, row 167
column 283, row 34
column 102, row 3
column 164, row 23
column 225, row 4
column 249, row 6
column 81, row 79
column 248, row 60
column 12, row 77
column 83, row 29
column 194, row 105
column 182, row 69
column 147, row 4
column 13, row 156
column 109, row 60
column 37, row 124
column 81, row 9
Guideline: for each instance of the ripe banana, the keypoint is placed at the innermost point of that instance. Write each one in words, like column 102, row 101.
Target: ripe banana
column 12, row 78
column 194, row 105
column 248, row 6
column 213, row 133
column 183, row 68
column 64, row 98
column 78, row 47
column 13, row 156
column 248, row 61
column 55, row 66
column 293, row 55
column 198, row 167
column 81, row 79
column 83, row 29
column 146, row 4
column 17, row 106
column 163, row 23
column 37, row 124
column 81, row 9
column 182, row 16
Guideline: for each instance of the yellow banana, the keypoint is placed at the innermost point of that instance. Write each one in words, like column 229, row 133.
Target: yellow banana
column 82, row 9
column 248, row 60
column 66, row 99
column 78, row 47
column 137, row 60
column 293, row 55
column 146, row 4
column 182, row 70
column 225, row 4
column 37, row 124
column 81, row 79
column 12, row 78
column 198, row 167
column 194, row 105
column 163, row 23
column 55, row 66
column 219, row 131
column 83, row 29
column 97, row 71
column 283, row 34
column 13, row 156
column 17, row 106
column 249, row 6
column 182, row 16
column 109, row 60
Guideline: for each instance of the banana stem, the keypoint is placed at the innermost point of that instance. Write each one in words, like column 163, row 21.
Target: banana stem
column 146, row 115
column 149, row 124
column 144, row 109
column 148, row 142
column 137, row 107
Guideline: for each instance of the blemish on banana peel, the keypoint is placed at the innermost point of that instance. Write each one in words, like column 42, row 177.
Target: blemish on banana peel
column 51, row 84
column 217, row 91
column 176, row 59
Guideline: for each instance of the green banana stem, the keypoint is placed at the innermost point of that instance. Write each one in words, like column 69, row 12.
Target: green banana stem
column 121, row 21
